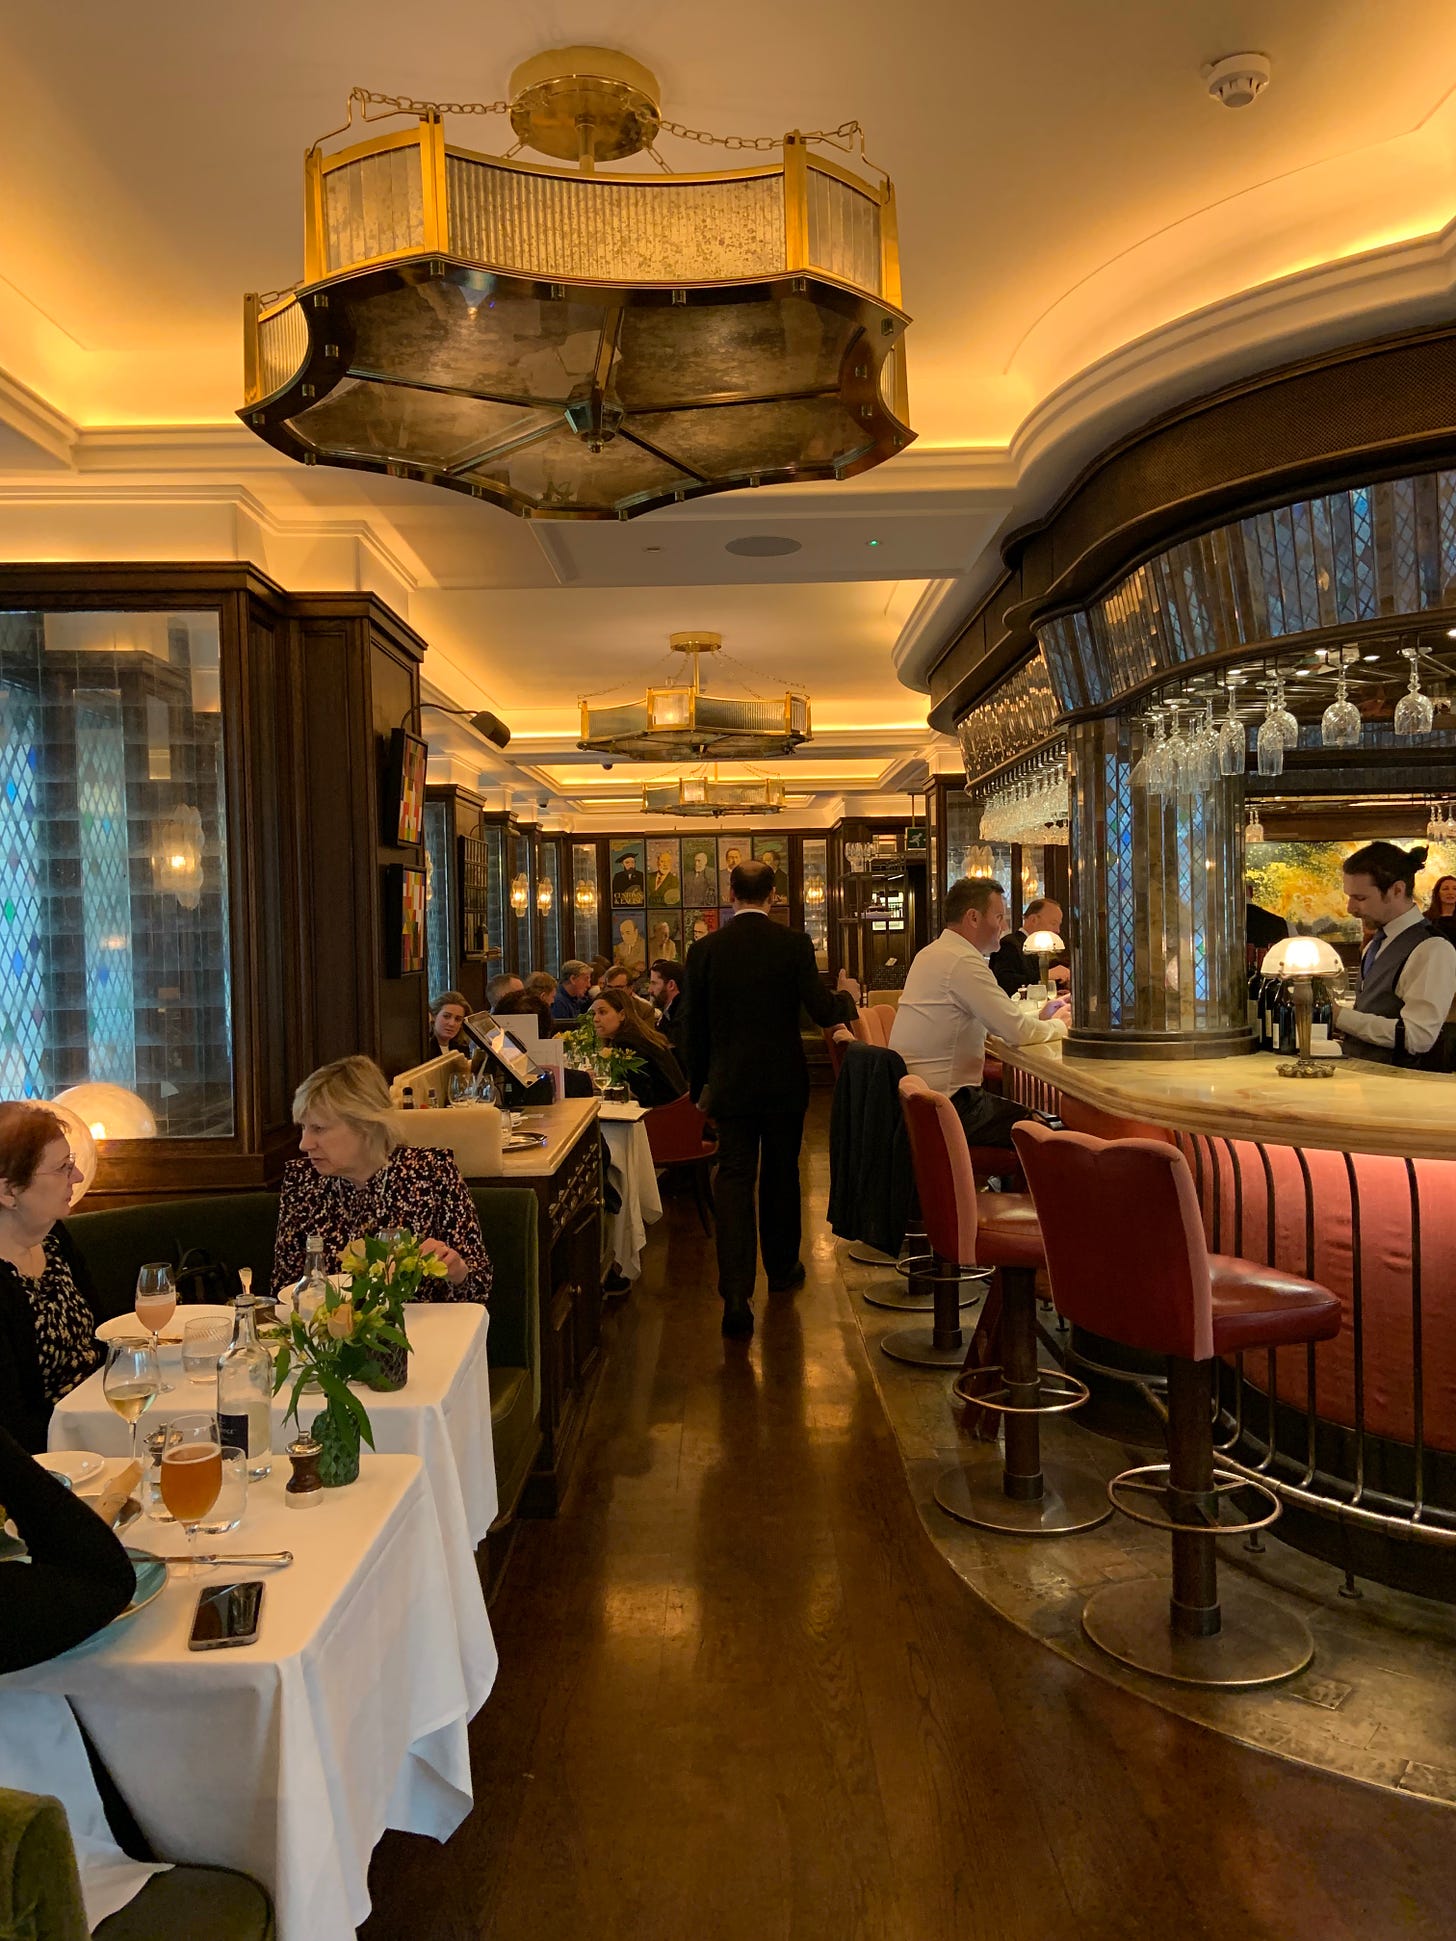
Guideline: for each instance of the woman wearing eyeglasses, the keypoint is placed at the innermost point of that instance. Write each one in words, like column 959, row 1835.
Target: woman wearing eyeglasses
column 48, row 1342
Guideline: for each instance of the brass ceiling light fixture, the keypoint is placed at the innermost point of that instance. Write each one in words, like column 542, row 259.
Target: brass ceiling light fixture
column 575, row 345
column 679, row 722
column 706, row 795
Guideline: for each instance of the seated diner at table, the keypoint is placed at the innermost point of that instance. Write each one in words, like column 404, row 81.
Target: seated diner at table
column 47, row 1315
column 78, row 1576
column 355, row 1177
column 619, row 1023
column 447, row 1024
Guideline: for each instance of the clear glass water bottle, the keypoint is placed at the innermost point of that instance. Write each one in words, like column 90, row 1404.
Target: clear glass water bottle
column 245, row 1387
column 310, row 1293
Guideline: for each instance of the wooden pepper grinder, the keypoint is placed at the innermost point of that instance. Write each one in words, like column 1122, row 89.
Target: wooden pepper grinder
column 304, row 1489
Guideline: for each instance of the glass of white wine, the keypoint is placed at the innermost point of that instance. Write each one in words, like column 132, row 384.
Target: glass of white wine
column 132, row 1381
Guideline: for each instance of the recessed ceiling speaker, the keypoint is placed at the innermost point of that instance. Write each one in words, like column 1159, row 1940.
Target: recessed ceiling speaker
column 763, row 545
column 1238, row 79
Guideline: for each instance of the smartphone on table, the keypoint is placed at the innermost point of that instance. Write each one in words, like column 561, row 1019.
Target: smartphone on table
column 227, row 1614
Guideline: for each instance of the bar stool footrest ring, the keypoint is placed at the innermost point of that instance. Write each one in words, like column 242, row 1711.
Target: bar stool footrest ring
column 1057, row 1392
column 1226, row 1483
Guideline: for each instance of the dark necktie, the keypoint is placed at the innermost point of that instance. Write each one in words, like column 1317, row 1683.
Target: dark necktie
column 1370, row 950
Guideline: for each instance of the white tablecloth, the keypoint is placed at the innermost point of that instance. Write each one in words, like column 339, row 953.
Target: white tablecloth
column 290, row 1757
column 632, row 1173
column 441, row 1415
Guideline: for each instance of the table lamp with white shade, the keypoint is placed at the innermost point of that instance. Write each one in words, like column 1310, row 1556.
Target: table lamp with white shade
column 1043, row 945
column 1297, row 960
column 111, row 1111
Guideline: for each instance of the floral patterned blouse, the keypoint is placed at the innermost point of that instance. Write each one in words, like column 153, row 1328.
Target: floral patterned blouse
column 418, row 1188
column 66, row 1348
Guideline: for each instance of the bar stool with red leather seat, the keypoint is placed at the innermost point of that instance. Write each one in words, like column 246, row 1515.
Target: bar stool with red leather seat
column 1127, row 1257
column 997, row 1230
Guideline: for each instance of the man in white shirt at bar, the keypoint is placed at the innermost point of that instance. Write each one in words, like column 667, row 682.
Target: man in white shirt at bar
column 1408, row 971
column 951, row 1000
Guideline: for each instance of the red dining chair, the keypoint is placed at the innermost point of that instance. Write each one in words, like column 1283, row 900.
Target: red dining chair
column 677, row 1135
column 1000, row 1231
column 1127, row 1257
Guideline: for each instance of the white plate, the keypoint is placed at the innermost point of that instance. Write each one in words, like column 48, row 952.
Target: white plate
column 76, row 1465
column 122, row 1325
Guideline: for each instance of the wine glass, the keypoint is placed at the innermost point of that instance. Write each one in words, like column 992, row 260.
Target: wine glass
column 131, row 1381
column 1415, row 712
column 1288, row 725
column 461, row 1089
column 1269, row 744
column 191, row 1471
column 156, row 1302
column 1340, row 722
column 485, row 1090
column 1232, row 741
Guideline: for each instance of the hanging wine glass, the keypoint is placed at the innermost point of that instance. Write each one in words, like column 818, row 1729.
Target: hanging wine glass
column 1340, row 722
column 1269, row 744
column 1288, row 725
column 1232, row 741
column 1149, row 771
column 1207, row 743
column 1414, row 712
column 1180, row 781
column 1253, row 828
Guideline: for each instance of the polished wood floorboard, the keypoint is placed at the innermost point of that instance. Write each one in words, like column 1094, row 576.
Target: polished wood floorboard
column 742, row 1696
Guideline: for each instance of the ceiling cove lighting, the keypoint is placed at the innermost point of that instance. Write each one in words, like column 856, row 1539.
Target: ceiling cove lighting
column 705, row 795
column 682, row 723
column 576, row 345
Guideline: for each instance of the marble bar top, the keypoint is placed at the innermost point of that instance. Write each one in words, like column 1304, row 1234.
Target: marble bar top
column 1364, row 1108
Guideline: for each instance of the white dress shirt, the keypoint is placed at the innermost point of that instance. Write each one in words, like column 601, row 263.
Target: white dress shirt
column 1426, row 988
column 949, row 1003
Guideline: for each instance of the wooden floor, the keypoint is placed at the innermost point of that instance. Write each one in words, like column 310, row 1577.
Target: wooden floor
column 741, row 1695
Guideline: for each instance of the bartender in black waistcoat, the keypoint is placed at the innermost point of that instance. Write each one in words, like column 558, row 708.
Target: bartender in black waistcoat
column 1408, row 971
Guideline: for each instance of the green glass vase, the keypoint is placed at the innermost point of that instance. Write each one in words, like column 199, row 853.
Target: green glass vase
column 336, row 1432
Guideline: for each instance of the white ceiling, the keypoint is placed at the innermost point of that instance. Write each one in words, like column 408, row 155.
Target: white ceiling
column 1084, row 237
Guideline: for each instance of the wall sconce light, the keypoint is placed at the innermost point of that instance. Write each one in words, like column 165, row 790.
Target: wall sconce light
column 520, row 895
column 586, row 897
column 543, row 896
column 813, row 892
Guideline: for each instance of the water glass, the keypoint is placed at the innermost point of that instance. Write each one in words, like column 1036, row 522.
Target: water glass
column 202, row 1343
column 232, row 1497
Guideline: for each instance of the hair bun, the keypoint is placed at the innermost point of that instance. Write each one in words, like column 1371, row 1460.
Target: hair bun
column 1418, row 855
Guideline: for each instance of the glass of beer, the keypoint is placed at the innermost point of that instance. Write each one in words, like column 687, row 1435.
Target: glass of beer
column 191, row 1470
column 132, row 1381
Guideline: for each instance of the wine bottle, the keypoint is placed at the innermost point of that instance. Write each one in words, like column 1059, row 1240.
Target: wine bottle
column 1322, row 1018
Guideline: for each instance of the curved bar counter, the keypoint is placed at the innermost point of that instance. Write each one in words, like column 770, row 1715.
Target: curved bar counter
column 1352, row 1182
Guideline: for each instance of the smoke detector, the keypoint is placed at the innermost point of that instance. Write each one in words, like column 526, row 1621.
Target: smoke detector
column 1238, row 79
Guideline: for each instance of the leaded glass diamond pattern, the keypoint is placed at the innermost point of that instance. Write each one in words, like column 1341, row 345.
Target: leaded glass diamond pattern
column 22, row 954
column 105, row 892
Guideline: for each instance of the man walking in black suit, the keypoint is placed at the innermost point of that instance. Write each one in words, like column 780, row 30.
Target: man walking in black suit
column 745, row 984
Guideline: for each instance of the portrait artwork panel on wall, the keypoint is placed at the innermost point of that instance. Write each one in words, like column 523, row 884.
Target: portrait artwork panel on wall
column 731, row 850
column 629, row 874
column 700, row 924
column 699, row 872
column 629, row 940
column 664, row 874
column 664, row 936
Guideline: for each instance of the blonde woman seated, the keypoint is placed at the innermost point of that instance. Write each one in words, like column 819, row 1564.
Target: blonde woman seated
column 356, row 1178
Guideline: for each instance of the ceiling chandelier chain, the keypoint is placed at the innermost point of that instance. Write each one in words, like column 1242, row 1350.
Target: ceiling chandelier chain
column 798, row 687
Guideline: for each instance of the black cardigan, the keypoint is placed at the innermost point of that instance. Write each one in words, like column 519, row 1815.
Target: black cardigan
column 24, row 1410
column 660, row 1081
column 79, row 1575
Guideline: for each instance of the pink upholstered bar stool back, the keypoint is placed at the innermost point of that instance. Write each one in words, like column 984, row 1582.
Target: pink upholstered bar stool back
column 1123, row 1235
column 943, row 1174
